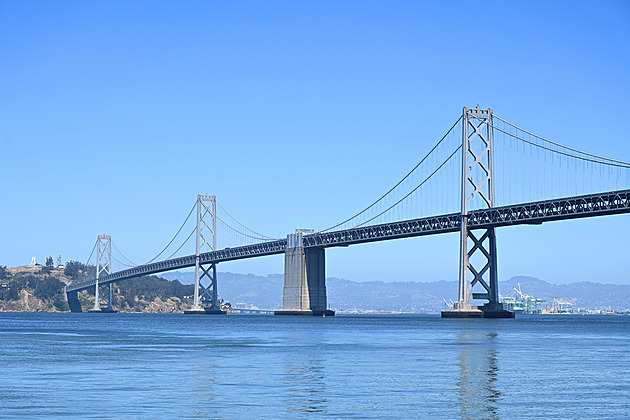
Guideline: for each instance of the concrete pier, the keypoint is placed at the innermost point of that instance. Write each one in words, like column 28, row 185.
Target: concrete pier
column 304, row 280
column 73, row 301
column 486, row 311
column 201, row 310
column 103, row 310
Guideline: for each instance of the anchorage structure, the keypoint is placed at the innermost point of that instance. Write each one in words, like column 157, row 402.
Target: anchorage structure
column 103, row 298
column 478, row 251
column 206, row 300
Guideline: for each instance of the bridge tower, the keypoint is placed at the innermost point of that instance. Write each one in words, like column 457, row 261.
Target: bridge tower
column 103, row 293
column 206, row 299
column 478, row 249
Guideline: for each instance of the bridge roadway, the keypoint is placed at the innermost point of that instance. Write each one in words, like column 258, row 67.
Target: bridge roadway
column 614, row 202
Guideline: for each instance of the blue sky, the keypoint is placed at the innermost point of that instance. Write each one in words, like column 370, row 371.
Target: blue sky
column 115, row 115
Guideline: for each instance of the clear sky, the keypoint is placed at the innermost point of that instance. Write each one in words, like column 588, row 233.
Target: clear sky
column 114, row 115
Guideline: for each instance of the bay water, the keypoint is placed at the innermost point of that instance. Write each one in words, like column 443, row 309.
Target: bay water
column 354, row 366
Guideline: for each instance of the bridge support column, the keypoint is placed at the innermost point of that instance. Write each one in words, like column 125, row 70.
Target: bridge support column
column 73, row 301
column 206, row 299
column 103, row 298
column 304, row 280
column 478, row 253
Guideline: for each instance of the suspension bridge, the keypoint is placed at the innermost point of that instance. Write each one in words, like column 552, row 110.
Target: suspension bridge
column 484, row 173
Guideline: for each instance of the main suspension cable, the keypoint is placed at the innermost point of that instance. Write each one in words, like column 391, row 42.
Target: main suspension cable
column 182, row 245
column 91, row 253
column 122, row 263
column 124, row 256
column 399, row 182
column 620, row 162
column 602, row 161
column 261, row 238
column 171, row 241
column 234, row 218
column 412, row 191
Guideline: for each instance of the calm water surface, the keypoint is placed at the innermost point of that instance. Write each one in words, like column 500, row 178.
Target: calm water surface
column 238, row 366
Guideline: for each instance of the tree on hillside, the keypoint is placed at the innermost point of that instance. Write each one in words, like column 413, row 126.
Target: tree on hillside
column 73, row 269
column 12, row 291
column 49, row 262
column 4, row 274
column 47, row 288
column 77, row 270
column 151, row 287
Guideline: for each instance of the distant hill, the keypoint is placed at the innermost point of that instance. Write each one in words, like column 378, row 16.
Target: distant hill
column 41, row 289
column 262, row 291
column 583, row 294
column 266, row 292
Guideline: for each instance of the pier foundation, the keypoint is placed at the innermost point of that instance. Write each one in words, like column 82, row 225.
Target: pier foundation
column 73, row 301
column 486, row 311
column 304, row 280
column 200, row 310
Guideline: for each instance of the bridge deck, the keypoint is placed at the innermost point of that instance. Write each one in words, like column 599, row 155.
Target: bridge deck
column 614, row 202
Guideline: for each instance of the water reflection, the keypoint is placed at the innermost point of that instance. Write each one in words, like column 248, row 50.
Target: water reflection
column 203, row 389
column 476, row 386
column 304, row 381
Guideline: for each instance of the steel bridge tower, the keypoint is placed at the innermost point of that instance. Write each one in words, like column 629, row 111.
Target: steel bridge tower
column 478, row 249
column 103, row 297
column 206, row 300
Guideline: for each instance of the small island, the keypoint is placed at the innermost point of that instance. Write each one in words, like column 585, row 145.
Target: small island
column 40, row 288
